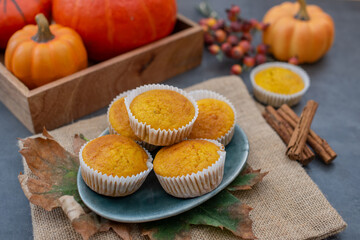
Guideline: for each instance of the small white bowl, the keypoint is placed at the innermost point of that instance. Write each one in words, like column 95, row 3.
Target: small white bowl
column 277, row 99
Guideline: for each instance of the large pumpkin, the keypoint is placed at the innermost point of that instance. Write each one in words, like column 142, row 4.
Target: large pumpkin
column 15, row 14
column 109, row 28
column 38, row 54
column 297, row 30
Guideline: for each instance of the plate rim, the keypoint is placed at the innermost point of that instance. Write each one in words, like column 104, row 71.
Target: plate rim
column 204, row 198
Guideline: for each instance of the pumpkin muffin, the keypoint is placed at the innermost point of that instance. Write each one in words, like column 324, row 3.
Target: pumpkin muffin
column 190, row 168
column 163, row 109
column 114, row 165
column 216, row 119
column 118, row 121
column 118, row 118
column 161, row 115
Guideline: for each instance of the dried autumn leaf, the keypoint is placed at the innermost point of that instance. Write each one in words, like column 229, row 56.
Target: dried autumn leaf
column 55, row 169
column 223, row 211
column 247, row 179
column 87, row 224
column 171, row 228
column 54, row 184
column 91, row 223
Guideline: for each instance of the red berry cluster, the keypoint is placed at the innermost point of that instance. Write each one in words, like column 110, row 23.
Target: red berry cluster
column 234, row 39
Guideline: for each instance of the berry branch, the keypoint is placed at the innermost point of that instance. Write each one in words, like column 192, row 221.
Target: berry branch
column 233, row 39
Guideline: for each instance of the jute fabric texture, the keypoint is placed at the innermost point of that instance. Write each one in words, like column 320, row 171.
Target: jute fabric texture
column 287, row 204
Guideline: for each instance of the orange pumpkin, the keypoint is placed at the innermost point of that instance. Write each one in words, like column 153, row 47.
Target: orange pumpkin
column 38, row 54
column 297, row 30
column 109, row 28
column 15, row 14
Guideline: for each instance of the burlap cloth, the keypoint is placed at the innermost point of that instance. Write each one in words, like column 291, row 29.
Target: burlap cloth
column 287, row 203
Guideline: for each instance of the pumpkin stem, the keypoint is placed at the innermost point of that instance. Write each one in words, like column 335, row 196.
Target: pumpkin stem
column 44, row 34
column 302, row 14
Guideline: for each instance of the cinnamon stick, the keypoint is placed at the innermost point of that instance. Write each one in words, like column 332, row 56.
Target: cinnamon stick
column 285, row 131
column 298, row 139
column 320, row 146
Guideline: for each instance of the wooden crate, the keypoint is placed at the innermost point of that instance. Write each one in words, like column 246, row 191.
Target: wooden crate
column 86, row 91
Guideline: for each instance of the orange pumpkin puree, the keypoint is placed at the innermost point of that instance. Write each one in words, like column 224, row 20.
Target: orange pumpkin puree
column 163, row 109
column 279, row 80
column 215, row 119
column 187, row 157
column 115, row 155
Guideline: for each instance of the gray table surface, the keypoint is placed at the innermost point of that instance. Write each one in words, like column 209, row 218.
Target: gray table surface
column 335, row 85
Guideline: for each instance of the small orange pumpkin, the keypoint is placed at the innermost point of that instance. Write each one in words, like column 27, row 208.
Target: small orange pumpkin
column 297, row 30
column 41, row 54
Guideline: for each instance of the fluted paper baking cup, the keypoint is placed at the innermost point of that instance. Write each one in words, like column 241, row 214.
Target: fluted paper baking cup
column 148, row 146
column 196, row 184
column 159, row 137
column 110, row 185
column 276, row 99
column 202, row 94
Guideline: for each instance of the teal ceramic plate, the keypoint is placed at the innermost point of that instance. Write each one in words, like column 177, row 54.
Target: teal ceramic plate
column 151, row 202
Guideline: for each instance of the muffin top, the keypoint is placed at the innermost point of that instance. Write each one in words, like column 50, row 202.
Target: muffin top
column 186, row 157
column 162, row 109
column 279, row 80
column 215, row 119
column 115, row 155
column 119, row 119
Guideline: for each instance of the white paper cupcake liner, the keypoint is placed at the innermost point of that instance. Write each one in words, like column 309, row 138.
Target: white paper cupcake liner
column 153, row 136
column 276, row 99
column 110, row 185
column 201, row 94
column 148, row 146
column 196, row 184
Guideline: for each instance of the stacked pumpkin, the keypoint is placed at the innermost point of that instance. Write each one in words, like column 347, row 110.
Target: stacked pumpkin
column 40, row 54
